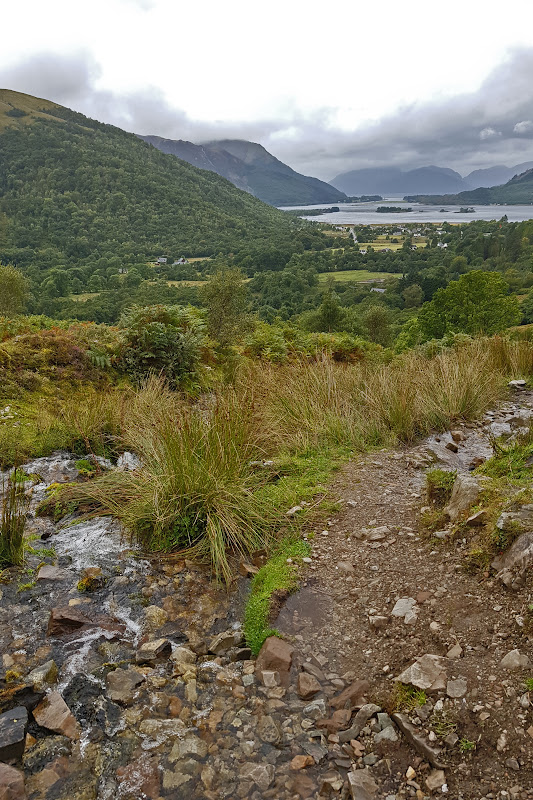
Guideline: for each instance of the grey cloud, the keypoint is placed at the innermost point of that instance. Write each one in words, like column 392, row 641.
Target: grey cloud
column 492, row 125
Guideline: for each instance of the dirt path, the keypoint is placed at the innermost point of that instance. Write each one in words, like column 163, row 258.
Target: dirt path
column 371, row 555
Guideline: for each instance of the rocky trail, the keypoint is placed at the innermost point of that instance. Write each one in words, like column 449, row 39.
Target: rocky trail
column 140, row 687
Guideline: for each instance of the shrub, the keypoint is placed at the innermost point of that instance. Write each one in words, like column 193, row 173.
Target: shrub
column 161, row 340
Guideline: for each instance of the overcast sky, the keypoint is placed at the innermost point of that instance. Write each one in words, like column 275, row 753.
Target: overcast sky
column 325, row 88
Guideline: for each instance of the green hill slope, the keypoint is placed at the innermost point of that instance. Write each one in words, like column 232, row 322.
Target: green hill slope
column 517, row 191
column 73, row 191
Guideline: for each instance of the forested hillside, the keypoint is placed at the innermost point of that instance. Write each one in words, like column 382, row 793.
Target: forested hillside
column 74, row 191
column 515, row 192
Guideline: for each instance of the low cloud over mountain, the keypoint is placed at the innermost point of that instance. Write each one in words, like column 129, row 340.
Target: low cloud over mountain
column 493, row 125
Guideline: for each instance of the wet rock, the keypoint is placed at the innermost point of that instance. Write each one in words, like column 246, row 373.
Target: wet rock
column 452, row 447
column 428, row 672
column 43, row 675
column 518, row 384
column 60, row 467
column 436, row 780
column 54, row 714
column 362, row 785
column 457, row 436
column 92, row 579
column 140, row 779
column 515, row 660
column 161, row 729
column 154, row 618
column 13, row 726
column 351, row 695
column 275, row 654
column 268, row 730
column 338, row 721
column 307, row 686
column 122, row 685
column 360, row 720
column 301, row 762
column 465, row 493
column 22, row 694
column 498, row 429
column 11, row 783
column 407, row 609
column 49, row 573
column 224, row 642
column 189, row 746
column 261, row 774
column 456, row 688
column 65, row 620
column 150, row 652
column 417, row 740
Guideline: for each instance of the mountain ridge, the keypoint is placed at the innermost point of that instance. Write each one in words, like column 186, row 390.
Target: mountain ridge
column 517, row 191
column 250, row 167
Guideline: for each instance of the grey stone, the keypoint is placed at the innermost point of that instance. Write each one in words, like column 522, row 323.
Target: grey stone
column 515, row 660
column 315, row 710
column 456, row 688
column 452, row 739
column 268, row 730
column 519, row 555
column 429, row 672
column 436, row 780
column 386, row 735
column 517, row 384
column 384, row 721
column 261, row 774
column 128, row 462
column 362, row 785
column 49, row 573
column 407, row 608
column 465, row 493
column 417, row 740
column 360, row 720
column 13, row 726
column 512, row 763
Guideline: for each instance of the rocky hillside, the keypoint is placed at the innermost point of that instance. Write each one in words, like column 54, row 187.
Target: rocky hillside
column 251, row 168
column 391, row 181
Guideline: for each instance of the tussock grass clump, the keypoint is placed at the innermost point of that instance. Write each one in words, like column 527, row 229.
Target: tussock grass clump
column 195, row 490
column 439, row 484
column 12, row 523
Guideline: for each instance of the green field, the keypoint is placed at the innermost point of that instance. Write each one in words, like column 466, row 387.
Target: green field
column 356, row 276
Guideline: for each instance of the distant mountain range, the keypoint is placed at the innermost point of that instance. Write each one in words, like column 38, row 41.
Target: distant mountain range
column 431, row 180
column 519, row 190
column 252, row 168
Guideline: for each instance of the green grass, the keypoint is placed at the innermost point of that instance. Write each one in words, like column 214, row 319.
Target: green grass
column 355, row 276
column 12, row 523
column 440, row 485
column 407, row 697
column 275, row 576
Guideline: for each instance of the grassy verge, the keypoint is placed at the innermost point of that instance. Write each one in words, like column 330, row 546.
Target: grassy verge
column 279, row 575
